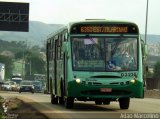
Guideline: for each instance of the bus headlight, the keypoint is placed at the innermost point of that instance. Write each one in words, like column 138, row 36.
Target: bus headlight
column 133, row 81
column 78, row 80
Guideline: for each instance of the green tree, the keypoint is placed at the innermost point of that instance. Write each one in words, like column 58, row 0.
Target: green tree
column 8, row 65
column 19, row 55
column 36, row 62
column 157, row 70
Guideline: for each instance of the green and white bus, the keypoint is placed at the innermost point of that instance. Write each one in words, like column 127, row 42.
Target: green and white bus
column 95, row 60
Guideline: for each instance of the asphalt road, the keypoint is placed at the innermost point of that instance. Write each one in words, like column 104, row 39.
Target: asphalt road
column 147, row 106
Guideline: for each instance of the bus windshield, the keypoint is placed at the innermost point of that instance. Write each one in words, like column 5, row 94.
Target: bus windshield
column 104, row 53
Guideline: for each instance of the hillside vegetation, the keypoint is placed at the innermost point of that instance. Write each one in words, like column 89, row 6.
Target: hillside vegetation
column 37, row 35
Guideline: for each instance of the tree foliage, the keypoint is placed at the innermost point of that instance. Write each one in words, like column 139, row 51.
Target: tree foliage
column 13, row 46
column 8, row 65
column 34, row 62
column 22, row 51
column 157, row 70
column 26, row 51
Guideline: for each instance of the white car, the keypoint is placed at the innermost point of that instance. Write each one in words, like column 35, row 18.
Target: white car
column 7, row 86
column 14, row 86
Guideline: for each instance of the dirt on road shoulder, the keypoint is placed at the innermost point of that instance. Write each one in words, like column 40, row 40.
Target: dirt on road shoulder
column 155, row 93
column 18, row 109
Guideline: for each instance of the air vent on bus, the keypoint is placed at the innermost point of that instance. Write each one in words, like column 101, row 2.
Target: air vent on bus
column 97, row 83
column 114, row 83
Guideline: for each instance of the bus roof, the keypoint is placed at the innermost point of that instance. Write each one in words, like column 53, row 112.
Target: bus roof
column 60, row 30
column 97, row 21
column 89, row 21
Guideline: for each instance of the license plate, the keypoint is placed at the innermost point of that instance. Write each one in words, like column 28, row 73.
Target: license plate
column 106, row 89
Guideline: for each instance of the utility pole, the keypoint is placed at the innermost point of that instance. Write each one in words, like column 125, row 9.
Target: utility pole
column 23, row 72
column 23, row 60
column 30, row 67
column 145, row 58
column 146, row 22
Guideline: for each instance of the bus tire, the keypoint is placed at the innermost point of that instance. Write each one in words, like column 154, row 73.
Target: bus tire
column 69, row 102
column 106, row 102
column 61, row 100
column 98, row 102
column 54, row 99
column 124, row 103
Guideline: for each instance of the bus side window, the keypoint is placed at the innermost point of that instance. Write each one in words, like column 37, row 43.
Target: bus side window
column 61, row 47
column 49, row 53
column 52, row 49
column 65, row 36
column 56, row 48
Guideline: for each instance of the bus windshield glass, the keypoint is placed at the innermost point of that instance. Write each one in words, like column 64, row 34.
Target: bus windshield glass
column 104, row 53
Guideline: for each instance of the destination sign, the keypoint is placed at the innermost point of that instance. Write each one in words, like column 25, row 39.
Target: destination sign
column 104, row 29
column 98, row 29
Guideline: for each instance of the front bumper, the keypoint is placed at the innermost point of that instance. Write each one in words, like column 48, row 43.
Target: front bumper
column 94, row 91
column 26, row 89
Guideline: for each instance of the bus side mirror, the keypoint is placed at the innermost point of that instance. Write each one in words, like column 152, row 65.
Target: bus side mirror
column 145, row 50
column 66, row 36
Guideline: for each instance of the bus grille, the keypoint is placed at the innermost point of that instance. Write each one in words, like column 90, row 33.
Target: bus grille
column 114, row 92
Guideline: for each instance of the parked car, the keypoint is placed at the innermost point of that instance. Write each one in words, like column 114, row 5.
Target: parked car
column 13, row 86
column 7, row 86
column 26, row 86
column 37, row 86
column 44, row 89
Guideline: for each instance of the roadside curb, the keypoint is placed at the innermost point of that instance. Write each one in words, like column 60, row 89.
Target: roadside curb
column 43, row 109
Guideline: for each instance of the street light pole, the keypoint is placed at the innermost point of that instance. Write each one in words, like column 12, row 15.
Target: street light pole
column 145, row 58
column 30, row 67
column 23, row 72
column 146, row 22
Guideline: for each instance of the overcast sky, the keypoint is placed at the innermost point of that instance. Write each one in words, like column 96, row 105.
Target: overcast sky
column 64, row 11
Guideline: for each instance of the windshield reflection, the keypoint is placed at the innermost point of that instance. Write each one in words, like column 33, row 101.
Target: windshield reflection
column 104, row 54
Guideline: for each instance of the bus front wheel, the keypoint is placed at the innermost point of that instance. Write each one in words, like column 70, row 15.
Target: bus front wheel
column 54, row 99
column 98, row 102
column 124, row 103
column 69, row 102
column 106, row 102
column 61, row 100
